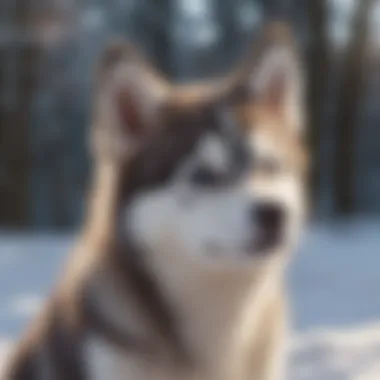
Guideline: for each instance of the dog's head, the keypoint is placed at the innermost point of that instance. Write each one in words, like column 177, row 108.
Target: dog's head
column 218, row 175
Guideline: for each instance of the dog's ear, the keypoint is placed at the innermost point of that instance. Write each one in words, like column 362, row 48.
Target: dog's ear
column 130, row 95
column 273, row 76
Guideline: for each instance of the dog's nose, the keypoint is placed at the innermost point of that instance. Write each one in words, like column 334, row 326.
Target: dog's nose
column 269, row 216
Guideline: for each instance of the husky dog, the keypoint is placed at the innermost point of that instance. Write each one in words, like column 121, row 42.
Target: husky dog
column 197, row 203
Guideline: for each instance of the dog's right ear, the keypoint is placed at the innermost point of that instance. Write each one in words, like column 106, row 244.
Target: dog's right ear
column 130, row 95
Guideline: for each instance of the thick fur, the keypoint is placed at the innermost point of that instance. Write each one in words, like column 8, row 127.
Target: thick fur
column 170, row 278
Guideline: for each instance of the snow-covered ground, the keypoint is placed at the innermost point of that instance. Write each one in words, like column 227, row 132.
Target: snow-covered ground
column 334, row 282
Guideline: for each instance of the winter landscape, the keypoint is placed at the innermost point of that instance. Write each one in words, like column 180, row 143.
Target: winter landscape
column 334, row 283
column 334, row 280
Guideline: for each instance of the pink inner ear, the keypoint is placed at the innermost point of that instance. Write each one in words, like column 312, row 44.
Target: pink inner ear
column 129, row 113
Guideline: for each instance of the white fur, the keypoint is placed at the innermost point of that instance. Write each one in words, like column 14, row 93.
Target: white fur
column 108, row 362
column 212, row 152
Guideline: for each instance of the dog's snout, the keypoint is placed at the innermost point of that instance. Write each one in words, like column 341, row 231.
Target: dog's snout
column 269, row 215
column 268, row 218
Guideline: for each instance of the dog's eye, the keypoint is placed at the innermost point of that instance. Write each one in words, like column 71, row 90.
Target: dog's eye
column 204, row 177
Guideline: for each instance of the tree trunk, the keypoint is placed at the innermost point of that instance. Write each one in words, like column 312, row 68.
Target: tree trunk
column 231, row 37
column 348, row 110
column 14, row 122
column 318, row 68
column 149, row 26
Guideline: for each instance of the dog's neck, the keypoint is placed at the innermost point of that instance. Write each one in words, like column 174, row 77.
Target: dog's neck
column 217, row 310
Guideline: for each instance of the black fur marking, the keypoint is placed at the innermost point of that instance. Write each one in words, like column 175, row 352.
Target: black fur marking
column 25, row 368
column 64, row 347
column 99, row 323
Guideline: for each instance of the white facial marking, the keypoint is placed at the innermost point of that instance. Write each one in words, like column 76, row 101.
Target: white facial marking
column 215, row 224
column 213, row 152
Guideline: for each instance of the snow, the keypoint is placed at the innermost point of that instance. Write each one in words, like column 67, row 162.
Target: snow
column 340, row 354
column 336, row 276
column 334, row 283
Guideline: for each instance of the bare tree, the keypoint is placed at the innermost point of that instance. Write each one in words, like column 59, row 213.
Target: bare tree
column 149, row 25
column 318, row 68
column 30, row 25
column 15, row 117
column 348, row 109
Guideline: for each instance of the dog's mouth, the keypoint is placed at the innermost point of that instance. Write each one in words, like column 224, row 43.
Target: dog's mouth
column 263, row 244
column 268, row 235
column 266, row 240
column 269, row 228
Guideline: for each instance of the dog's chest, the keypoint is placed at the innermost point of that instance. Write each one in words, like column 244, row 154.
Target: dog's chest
column 107, row 362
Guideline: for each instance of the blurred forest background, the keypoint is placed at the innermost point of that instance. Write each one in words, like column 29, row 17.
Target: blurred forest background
column 49, row 48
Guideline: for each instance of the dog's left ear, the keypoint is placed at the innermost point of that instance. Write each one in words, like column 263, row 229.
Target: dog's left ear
column 276, row 79
column 129, row 100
